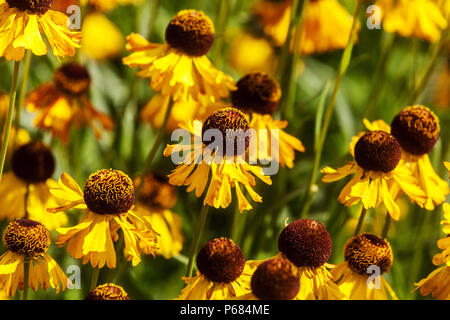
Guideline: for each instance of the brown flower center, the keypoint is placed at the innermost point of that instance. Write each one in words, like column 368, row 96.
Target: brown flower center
column 191, row 32
column 109, row 192
column 306, row 243
column 233, row 127
column 73, row 79
column 108, row 291
column 417, row 129
column 27, row 237
column 221, row 260
column 275, row 279
column 367, row 250
column 33, row 162
column 34, row 6
column 378, row 151
column 257, row 92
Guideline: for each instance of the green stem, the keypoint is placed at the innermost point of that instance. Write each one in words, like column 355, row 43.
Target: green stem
column 22, row 93
column 360, row 221
column 153, row 15
column 26, row 276
column 12, row 104
column 223, row 15
column 345, row 60
column 26, row 200
column 387, row 224
column 197, row 236
column 154, row 148
column 94, row 278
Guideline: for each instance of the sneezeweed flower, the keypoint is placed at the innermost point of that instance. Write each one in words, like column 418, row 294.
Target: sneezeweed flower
column 259, row 95
column 179, row 68
column 379, row 175
column 108, row 197
column 422, row 19
column 274, row 16
column 102, row 39
column 107, row 291
column 157, row 198
column 22, row 23
column 106, row 5
column 28, row 241
column 229, row 169
column 222, row 273
column 25, row 191
column 274, row 279
column 365, row 254
column 64, row 102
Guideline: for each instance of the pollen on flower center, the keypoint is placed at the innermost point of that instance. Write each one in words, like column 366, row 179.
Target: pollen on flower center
column 366, row 250
column 417, row 129
column 221, row 260
column 109, row 192
column 233, row 125
column 306, row 243
column 191, row 32
column 33, row 162
column 73, row 79
column 34, row 6
column 275, row 279
column 257, row 92
column 27, row 237
column 107, row 291
column 378, row 151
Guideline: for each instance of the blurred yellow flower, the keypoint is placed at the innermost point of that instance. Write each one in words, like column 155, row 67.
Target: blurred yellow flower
column 64, row 102
column 179, row 68
column 275, row 17
column 105, row 5
column 101, row 38
column 22, row 23
column 108, row 197
column 413, row 18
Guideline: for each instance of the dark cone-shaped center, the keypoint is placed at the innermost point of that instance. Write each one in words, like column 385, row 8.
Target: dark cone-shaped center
column 417, row 129
column 27, row 237
column 109, row 192
column 306, row 243
column 378, row 151
column 72, row 79
column 221, row 260
column 33, row 162
column 34, row 6
column 108, row 291
column 257, row 92
column 367, row 250
column 191, row 32
column 275, row 279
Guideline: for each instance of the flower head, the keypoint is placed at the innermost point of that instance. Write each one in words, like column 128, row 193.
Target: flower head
column 107, row 291
column 26, row 237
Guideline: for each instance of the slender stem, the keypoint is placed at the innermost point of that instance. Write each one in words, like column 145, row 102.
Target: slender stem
column 360, row 221
column 12, row 104
column 197, row 236
column 223, row 15
column 26, row 200
column 387, row 224
column 22, row 93
column 345, row 60
column 94, row 279
column 26, row 276
column 153, row 15
column 154, row 148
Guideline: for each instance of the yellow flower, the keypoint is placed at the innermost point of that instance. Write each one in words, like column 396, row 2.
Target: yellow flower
column 29, row 240
column 64, row 102
column 101, row 38
column 107, row 291
column 379, row 175
column 447, row 165
column 22, row 23
column 248, row 53
column 275, row 17
column 417, row 130
column 106, row 5
column 24, row 192
column 365, row 255
column 259, row 95
column 156, row 200
column 413, row 18
column 179, row 68
column 108, row 197
column 228, row 168
column 222, row 273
